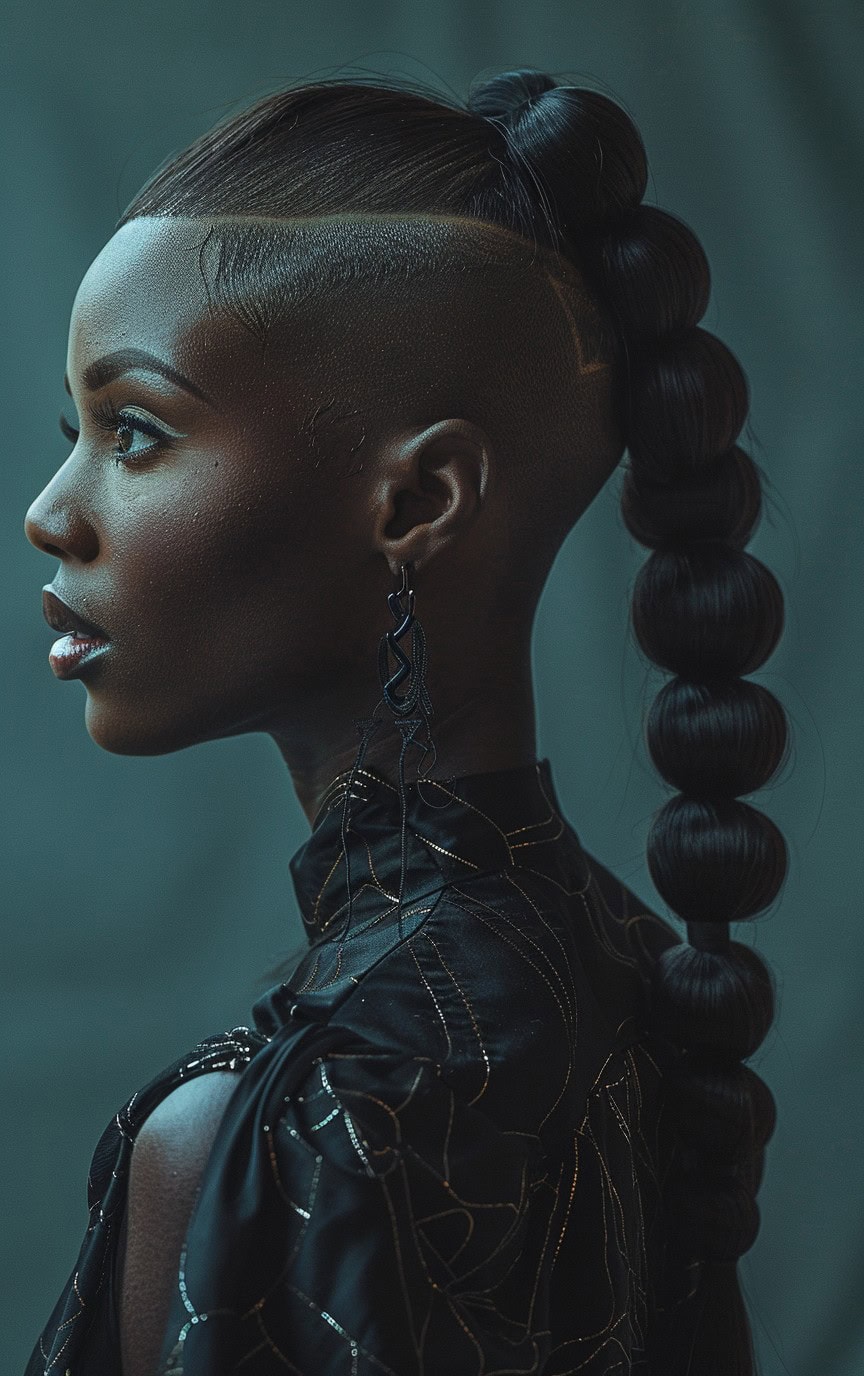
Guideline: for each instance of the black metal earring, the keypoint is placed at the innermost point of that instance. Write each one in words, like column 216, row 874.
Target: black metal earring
column 403, row 615
column 411, row 710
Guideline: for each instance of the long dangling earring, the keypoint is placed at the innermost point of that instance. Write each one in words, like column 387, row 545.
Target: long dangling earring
column 415, row 700
column 401, row 705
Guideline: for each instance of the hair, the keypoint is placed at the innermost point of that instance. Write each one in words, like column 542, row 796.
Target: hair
column 564, row 169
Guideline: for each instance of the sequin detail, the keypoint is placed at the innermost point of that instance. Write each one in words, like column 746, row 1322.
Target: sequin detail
column 447, row 1146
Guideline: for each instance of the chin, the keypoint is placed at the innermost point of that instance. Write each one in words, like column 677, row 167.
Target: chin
column 124, row 732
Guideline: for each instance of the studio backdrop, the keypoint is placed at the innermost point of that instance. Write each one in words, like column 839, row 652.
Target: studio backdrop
column 144, row 899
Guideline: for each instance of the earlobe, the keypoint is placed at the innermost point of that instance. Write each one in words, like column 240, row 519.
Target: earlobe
column 434, row 484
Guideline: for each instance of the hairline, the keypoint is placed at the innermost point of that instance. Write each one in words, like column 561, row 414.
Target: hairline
column 549, row 261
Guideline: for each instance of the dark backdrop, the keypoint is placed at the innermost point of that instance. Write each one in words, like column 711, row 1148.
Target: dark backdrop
column 144, row 897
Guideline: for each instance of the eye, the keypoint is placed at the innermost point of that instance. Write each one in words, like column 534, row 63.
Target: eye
column 125, row 425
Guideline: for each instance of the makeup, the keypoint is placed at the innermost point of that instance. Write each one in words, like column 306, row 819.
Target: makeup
column 71, row 651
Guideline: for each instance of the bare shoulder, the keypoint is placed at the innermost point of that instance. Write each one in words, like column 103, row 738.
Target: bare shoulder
column 183, row 1118
column 168, row 1160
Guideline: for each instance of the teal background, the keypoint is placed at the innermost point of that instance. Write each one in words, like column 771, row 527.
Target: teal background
column 143, row 898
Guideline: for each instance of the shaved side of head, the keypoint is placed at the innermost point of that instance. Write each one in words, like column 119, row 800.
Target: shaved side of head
column 396, row 321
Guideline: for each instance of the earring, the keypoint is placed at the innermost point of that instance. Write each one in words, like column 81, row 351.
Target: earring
column 415, row 696
column 411, row 710
column 401, row 705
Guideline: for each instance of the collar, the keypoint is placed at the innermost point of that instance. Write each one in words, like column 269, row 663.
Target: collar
column 454, row 829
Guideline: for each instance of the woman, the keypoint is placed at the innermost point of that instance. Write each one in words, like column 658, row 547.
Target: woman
column 349, row 370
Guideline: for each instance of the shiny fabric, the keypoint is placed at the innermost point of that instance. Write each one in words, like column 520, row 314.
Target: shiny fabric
column 446, row 1148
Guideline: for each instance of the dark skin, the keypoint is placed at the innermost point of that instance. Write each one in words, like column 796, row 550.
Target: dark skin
column 243, row 585
column 244, row 590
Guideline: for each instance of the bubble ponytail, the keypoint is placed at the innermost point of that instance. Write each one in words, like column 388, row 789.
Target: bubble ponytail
column 709, row 613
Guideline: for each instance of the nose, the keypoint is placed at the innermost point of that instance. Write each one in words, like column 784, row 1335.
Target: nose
column 55, row 524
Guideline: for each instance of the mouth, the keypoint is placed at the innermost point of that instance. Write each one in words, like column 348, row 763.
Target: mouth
column 81, row 641
column 61, row 617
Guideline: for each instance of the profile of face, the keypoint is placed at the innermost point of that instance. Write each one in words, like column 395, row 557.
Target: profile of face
column 190, row 533
column 238, row 580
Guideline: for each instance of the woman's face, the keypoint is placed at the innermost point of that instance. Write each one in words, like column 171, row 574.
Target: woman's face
column 211, row 558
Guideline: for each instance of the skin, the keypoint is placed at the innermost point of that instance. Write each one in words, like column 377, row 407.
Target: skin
column 168, row 1161
column 245, row 590
column 243, row 581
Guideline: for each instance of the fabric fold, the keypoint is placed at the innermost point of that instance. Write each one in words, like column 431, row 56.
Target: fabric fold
column 446, row 1146
column 358, row 1215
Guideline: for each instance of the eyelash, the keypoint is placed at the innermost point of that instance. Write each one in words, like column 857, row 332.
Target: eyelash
column 107, row 418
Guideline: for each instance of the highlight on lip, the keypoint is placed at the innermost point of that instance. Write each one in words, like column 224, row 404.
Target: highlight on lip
column 69, row 653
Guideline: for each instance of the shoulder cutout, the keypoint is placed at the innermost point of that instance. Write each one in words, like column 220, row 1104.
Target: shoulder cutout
column 168, row 1160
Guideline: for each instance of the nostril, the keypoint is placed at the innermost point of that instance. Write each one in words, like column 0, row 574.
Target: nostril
column 61, row 533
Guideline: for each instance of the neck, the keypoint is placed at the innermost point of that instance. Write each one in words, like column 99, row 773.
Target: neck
column 482, row 720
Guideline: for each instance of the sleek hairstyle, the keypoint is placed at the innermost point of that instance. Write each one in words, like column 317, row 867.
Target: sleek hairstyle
column 565, row 169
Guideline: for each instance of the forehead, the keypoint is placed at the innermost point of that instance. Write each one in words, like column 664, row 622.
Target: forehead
column 145, row 290
column 148, row 263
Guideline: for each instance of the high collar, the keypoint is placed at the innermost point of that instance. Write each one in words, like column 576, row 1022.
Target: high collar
column 454, row 829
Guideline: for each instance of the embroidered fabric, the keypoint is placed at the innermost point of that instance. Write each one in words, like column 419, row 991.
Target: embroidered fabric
column 447, row 1144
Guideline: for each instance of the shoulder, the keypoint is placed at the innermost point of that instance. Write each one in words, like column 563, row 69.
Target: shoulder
column 168, row 1158
column 170, row 1152
column 166, row 1147
column 169, row 1155
column 186, row 1112
column 176, row 1114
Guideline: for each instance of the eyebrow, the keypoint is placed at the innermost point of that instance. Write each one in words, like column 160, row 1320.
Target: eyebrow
column 104, row 370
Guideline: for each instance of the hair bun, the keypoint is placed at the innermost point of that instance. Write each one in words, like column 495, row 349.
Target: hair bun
column 505, row 96
column 576, row 161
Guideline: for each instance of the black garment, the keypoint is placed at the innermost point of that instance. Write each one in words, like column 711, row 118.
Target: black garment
column 445, row 1150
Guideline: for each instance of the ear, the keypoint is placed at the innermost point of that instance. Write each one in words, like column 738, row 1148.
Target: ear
column 429, row 489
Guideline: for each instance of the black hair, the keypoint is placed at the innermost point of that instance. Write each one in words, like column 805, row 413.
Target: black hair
column 566, row 168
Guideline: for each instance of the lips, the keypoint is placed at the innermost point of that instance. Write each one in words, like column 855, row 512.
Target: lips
column 61, row 617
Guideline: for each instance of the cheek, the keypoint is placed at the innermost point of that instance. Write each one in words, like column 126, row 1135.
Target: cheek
column 231, row 605
column 175, row 549
column 241, row 570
